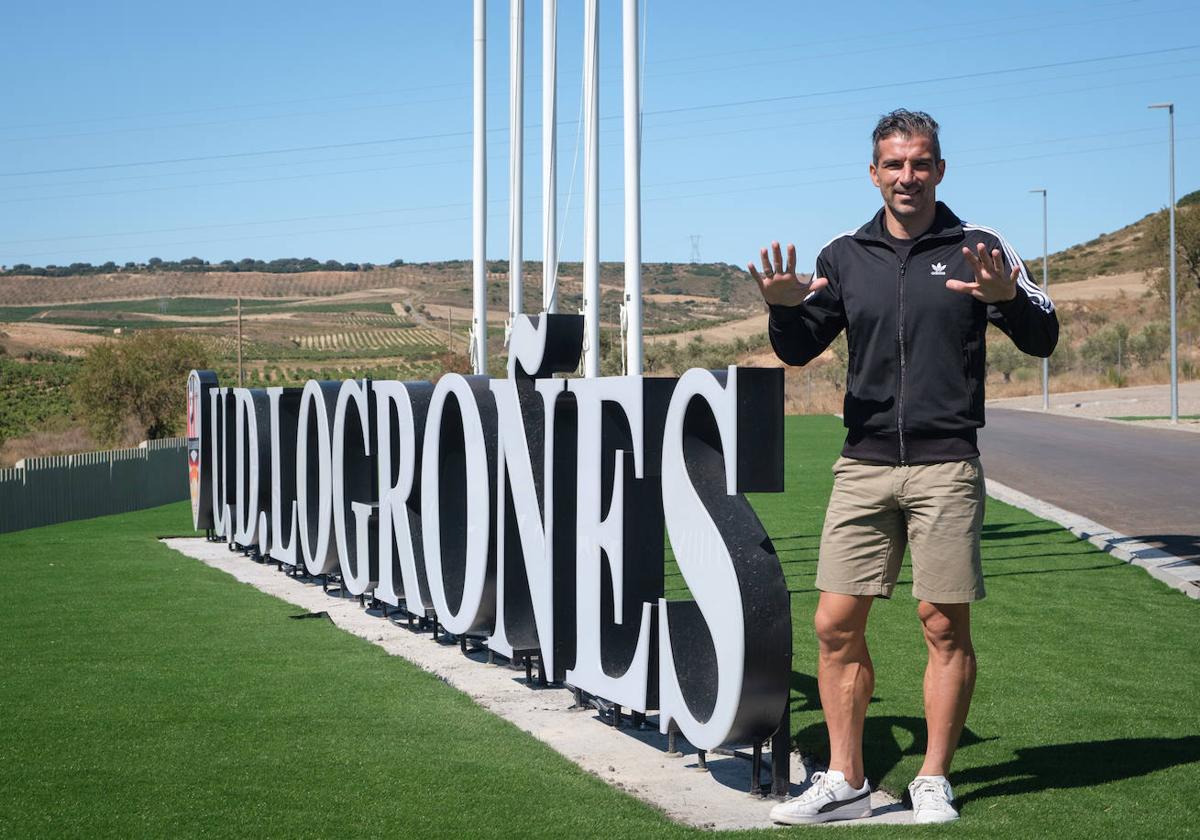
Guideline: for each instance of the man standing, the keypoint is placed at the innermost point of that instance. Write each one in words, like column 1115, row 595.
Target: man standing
column 909, row 474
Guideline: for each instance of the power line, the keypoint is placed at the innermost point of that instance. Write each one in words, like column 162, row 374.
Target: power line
column 231, row 155
column 806, row 55
column 954, row 103
column 1041, row 15
column 302, row 100
column 235, row 182
column 237, row 120
column 893, row 34
column 682, row 109
column 652, row 185
column 498, row 93
column 535, row 198
column 910, row 82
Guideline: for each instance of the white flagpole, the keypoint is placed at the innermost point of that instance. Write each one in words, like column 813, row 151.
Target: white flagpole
column 516, row 25
column 633, row 190
column 591, row 190
column 479, row 197
column 549, row 155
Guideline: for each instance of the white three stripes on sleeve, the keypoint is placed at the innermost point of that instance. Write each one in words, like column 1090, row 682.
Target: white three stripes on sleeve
column 822, row 248
column 1034, row 293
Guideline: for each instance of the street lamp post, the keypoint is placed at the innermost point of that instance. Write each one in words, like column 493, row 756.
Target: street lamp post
column 1045, row 288
column 1170, row 106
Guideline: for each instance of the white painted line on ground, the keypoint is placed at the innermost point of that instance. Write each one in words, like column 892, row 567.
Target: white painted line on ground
column 1176, row 572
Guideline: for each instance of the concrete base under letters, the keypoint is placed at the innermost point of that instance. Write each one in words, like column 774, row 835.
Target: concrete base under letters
column 632, row 760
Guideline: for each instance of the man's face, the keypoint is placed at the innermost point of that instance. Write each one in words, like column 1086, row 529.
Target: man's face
column 907, row 174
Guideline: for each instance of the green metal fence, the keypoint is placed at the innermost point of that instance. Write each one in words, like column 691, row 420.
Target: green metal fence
column 60, row 488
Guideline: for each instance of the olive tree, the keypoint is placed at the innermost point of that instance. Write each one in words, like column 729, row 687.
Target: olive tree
column 143, row 378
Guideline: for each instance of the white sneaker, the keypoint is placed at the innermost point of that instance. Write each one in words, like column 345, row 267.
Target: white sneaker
column 931, row 800
column 828, row 798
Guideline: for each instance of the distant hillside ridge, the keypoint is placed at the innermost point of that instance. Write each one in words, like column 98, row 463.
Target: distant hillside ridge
column 676, row 286
column 155, row 265
column 1126, row 250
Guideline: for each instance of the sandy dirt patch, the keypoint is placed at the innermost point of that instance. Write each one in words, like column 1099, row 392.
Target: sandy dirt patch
column 437, row 313
column 663, row 297
column 22, row 336
column 719, row 334
column 1101, row 287
column 1107, row 403
column 34, row 291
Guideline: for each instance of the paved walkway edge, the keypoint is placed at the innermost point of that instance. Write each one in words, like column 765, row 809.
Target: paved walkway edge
column 1189, row 427
column 631, row 760
column 1176, row 572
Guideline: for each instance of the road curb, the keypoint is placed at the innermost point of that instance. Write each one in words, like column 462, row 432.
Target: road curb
column 1139, row 424
column 1176, row 572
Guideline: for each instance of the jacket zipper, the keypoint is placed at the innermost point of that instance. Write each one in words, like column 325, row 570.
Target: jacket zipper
column 900, row 335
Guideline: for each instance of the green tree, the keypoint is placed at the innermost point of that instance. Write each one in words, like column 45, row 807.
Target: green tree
column 1151, row 343
column 1107, row 348
column 661, row 357
column 1187, row 259
column 1063, row 357
column 142, row 377
column 835, row 371
column 1004, row 358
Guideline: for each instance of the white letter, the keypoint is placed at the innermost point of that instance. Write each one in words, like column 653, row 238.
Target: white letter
column 359, row 573
column 457, row 535
column 312, row 444
column 717, row 444
column 535, row 522
column 396, row 510
column 220, row 458
column 603, row 538
column 246, row 504
column 283, row 538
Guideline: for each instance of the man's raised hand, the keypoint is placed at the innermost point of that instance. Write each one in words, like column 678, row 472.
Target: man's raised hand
column 992, row 283
column 779, row 284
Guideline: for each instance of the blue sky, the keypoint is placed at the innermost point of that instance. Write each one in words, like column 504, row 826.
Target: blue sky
column 253, row 129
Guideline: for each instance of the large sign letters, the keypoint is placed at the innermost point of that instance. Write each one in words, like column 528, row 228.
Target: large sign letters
column 531, row 512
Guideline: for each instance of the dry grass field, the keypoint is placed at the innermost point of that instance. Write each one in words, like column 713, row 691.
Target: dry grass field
column 406, row 322
column 412, row 322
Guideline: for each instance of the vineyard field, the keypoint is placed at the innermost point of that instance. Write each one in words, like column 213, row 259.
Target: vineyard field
column 372, row 339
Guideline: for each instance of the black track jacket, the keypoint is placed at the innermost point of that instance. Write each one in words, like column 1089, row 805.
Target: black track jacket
column 915, row 380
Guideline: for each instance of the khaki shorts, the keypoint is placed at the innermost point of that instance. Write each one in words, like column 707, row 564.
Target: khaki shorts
column 876, row 510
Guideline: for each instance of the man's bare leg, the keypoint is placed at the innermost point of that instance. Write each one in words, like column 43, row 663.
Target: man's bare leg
column 845, row 677
column 949, row 680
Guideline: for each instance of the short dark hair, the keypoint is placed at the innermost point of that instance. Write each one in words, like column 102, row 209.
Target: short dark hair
column 905, row 123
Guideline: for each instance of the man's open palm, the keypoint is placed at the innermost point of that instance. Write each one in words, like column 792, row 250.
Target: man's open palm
column 779, row 284
column 992, row 283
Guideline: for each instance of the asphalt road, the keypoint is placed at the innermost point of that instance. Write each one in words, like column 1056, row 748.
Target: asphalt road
column 1142, row 482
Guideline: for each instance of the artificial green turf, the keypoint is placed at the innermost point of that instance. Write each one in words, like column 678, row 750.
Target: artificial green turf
column 1156, row 417
column 146, row 694
column 1083, row 722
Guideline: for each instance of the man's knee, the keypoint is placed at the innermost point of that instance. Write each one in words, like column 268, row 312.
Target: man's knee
column 838, row 627
column 947, row 626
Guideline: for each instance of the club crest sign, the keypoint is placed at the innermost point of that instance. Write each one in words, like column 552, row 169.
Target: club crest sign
column 531, row 512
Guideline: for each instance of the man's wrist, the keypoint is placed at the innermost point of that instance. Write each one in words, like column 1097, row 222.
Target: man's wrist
column 783, row 313
column 1009, row 300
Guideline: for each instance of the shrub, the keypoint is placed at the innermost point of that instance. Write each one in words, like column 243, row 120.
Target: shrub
column 1063, row 357
column 1149, row 345
column 1004, row 358
column 1106, row 348
column 142, row 377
